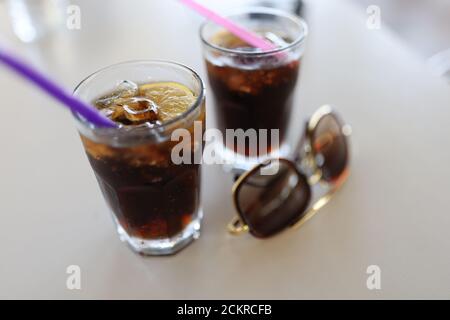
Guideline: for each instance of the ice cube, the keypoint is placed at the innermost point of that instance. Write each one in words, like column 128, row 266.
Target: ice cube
column 124, row 89
column 107, row 112
column 127, row 89
column 140, row 109
column 115, row 113
column 275, row 39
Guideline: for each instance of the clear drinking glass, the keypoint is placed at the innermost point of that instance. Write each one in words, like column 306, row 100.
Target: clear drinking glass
column 253, row 90
column 155, row 202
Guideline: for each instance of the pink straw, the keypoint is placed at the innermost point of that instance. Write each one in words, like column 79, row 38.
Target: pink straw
column 244, row 34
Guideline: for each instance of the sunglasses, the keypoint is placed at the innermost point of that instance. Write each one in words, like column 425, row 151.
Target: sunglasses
column 277, row 193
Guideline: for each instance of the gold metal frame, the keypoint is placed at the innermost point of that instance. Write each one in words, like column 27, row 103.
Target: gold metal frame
column 237, row 225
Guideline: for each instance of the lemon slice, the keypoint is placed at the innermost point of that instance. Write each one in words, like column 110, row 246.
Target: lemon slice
column 171, row 98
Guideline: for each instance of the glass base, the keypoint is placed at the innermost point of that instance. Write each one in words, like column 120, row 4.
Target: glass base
column 238, row 164
column 162, row 247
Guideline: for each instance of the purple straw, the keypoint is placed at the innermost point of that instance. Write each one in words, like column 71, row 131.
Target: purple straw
column 88, row 112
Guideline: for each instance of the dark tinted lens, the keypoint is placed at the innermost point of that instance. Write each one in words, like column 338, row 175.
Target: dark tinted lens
column 330, row 146
column 270, row 202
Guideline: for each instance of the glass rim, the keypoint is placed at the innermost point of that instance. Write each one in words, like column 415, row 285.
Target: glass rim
column 258, row 9
column 197, row 104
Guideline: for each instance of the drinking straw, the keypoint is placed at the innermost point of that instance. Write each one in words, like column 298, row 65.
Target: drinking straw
column 244, row 34
column 88, row 112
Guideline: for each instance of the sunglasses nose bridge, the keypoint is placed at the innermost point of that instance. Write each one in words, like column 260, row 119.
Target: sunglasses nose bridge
column 237, row 226
column 316, row 177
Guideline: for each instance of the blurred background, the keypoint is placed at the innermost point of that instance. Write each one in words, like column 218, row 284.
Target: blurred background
column 424, row 25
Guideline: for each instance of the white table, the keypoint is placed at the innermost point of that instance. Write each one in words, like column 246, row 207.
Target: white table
column 394, row 211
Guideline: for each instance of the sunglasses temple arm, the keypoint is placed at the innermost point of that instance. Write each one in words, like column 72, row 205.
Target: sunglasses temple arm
column 320, row 203
column 313, row 210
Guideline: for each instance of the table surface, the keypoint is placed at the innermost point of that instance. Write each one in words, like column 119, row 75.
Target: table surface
column 394, row 211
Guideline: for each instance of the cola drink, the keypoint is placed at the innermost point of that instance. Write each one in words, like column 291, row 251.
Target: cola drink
column 253, row 88
column 253, row 98
column 155, row 201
